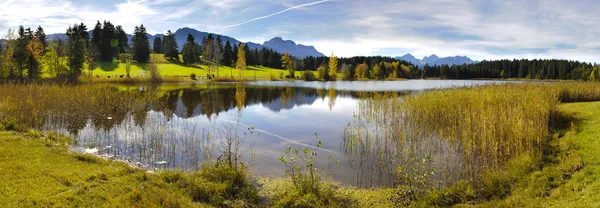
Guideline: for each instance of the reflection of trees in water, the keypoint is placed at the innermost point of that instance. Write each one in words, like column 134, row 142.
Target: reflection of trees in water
column 213, row 100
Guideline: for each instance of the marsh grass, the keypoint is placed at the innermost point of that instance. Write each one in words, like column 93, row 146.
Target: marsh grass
column 32, row 105
column 487, row 135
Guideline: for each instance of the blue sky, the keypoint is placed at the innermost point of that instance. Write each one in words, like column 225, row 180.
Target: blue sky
column 480, row 29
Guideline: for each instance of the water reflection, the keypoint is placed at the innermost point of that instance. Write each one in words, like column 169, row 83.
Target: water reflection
column 185, row 125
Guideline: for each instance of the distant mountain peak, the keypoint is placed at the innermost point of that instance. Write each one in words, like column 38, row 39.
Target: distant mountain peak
column 278, row 44
column 436, row 60
column 298, row 50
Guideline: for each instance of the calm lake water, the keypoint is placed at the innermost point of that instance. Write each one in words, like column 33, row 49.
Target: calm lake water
column 190, row 122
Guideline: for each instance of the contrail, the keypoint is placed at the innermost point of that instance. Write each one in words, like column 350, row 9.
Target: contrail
column 276, row 13
column 280, row 137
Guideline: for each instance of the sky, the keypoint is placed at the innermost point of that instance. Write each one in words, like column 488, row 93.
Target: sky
column 480, row 29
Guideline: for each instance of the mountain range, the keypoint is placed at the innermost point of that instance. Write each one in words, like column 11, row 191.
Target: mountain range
column 435, row 60
column 277, row 43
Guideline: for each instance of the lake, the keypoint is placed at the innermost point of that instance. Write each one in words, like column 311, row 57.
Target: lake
column 189, row 123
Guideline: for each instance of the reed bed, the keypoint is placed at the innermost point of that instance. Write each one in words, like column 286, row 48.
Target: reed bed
column 459, row 133
column 31, row 105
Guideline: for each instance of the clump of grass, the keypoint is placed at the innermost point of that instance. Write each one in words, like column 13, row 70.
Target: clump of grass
column 308, row 187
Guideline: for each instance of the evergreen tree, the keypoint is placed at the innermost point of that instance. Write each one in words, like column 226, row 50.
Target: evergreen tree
column 76, row 45
column 444, row 70
column 264, row 56
column 123, row 40
column 227, row 54
column 109, row 44
column 40, row 35
column 349, row 73
column 189, row 51
column 97, row 36
column 170, row 48
column 141, row 45
column 157, row 45
column 235, row 52
column 85, row 36
column 248, row 57
column 20, row 53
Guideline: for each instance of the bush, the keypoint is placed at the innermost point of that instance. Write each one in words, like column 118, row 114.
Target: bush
column 193, row 76
column 280, row 75
column 308, row 76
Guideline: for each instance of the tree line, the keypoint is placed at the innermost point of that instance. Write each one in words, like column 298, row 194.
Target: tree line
column 377, row 67
column 26, row 54
column 518, row 69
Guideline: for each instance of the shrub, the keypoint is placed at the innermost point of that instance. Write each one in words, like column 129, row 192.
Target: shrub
column 280, row 75
column 193, row 76
column 308, row 76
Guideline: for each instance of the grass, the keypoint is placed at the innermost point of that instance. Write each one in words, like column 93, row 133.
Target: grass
column 572, row 176
column 517, row 145
column 38, row 170
column 489, row 137
column 177, row 69
column 35, row 172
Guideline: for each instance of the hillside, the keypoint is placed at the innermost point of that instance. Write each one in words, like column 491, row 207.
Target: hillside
column 174, row 68
column 277, row 43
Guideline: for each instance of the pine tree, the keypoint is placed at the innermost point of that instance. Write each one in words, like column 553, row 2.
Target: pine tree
column 227, row 54
column 76, row 49
column 170, row 48
column 109, row 44
column 97, row 36
column 189, row 50
column 141, row 45
column 234, row 54
column 248, row 57
column 123, row 40
column 158, row 45
column 40, row 35
column 21, row 54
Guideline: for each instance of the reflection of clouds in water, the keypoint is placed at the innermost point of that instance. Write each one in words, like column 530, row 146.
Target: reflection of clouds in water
column 268, row 114
column 285, row 117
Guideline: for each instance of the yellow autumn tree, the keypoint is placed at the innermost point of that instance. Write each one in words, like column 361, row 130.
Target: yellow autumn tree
column 362, row 71
column 241, row 59
column 333, row 65
column 288, row 63
column 35, row 51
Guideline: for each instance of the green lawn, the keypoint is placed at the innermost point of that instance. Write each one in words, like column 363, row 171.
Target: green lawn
column 174, row 68
column 572, row 177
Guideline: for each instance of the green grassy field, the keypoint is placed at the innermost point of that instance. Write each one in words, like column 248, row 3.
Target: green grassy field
column 39, row 171
column 572, row 178
column 174, row 68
